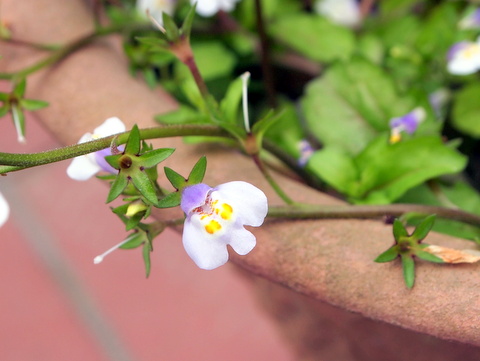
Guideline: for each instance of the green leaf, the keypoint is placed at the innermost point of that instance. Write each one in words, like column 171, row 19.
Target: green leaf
column 423, row 228
column 261, row 126
column 136, row 239
column 117, row 187
column 142, row 182
column 171, row 28
column 147, row 248
column 198, row 171
column 399, row 230
column 133, row 221
column 170, row 200
column 153, row 157
column 213, row 59
column 4, row 110
column 427, row 256
column 114, row 160
column 314, row 37
column 408, row 265
column 31, row 104
column 187, row 23
column 387, row 256
column 231, row 102
column 183, row 115
column 19, row 89
column 175, row 179
column 133, row 143
column 466, row 109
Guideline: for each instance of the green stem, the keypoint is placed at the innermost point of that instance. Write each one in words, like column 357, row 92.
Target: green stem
column 307, row 211
column 261, row 166
column 12, row 162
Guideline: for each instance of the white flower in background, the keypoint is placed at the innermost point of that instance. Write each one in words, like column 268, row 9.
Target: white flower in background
column 156, row 8
column 215, row 218
column 342, row 12
column 211, row 7
column 407, row 123
column 463, row 58
column 4, row 210
column 471, row 20
column 85, row 166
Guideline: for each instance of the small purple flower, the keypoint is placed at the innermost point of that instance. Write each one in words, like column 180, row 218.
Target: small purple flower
column 85, row 166
column 306, row 151
column 215, row 218
column 463, row 58
column 407, row 123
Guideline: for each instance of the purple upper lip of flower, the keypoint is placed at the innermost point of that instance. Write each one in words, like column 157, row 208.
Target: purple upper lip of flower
column 455, row 48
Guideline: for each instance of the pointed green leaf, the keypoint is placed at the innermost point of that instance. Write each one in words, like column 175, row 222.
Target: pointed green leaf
column 134, row 220
column 231, row 101
column 121, row 210
column 153, row 157
column 136, row 239
column 399, row 230
column 142, row 182
column 427, row 256
column 170, row 200
column 171, row 28
column 31, row 104
column 19, row 89
column 147, row 248
column 198, row 171
column 117, row 187
column 423, row 228
column 175, row 179
column 113, row 160
column 4, row 110
column 133, row 142
column 388, row 256
column 187, row 23
column 408, row 265
column 4, row 96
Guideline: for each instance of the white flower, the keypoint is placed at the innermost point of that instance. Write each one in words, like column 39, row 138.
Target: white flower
column 211, row 7
column 463, row 58
column 216, row 218
column 156, row 8
column 343, row 12
column 4, row 210
column 85, row 166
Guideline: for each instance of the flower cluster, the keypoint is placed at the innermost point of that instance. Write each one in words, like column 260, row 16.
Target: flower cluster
column 215, row 218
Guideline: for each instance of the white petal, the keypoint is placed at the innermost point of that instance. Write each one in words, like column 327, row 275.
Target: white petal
column 109, row 127
column 248, row 201
column 206, row 7
column 156, row 8
column 241, row 240
column 82, row 168
column 4, row 210
column 206, row 250
column 343, row 12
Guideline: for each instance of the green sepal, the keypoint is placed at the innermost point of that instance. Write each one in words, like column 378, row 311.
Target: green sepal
column 31, row 104
column 172, row 31
column 231, row 101
column 388, row 256
column 133, row 143
column 427, row 256
column 113, row 160
column 423, row 228
column 19, row 89
column 177, row 181
column 118, row 185
column 134, row 220
column 144, row 185
column 18, row 117
column 170, row 200
column 198, row 171
column 154, row 42
column 121, row 210
column 4, row 96
column 153, row 157
column 399, row 230
column 408, row 265
column 4, row 110
column 187, row 23
column 136, row 240
column 147, row 248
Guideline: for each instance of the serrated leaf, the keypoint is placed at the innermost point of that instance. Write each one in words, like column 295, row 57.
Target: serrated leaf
column 399, row 230
column 198, row 171
column 387, row 256
column 170, row 200
column 31, row 104
column 408, row 265
column 177, row 180
column 133, row 143
column 153, row 157
column 144, row 185
column 423, row 228
column 117, row 187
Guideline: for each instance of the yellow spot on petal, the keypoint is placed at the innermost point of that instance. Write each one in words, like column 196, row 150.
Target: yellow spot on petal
column 226, row 211
column 212, row 227
column 395, row 137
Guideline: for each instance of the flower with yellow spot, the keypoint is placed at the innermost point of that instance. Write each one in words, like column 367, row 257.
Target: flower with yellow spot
column 407, row 123
column 463, row 58
column 215, row 218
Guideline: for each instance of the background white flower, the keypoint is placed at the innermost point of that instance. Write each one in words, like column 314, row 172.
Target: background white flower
column 4, row 210
column 343, row 12
column 463, row 58
column 156, row 8
column 211, row 7
column 85, row 166
column 216, row 218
